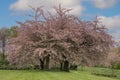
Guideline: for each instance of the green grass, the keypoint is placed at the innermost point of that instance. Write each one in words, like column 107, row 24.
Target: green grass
column 51, row 75
column 107, row 71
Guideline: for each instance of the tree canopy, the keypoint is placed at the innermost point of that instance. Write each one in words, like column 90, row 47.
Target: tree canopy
column 58, row 38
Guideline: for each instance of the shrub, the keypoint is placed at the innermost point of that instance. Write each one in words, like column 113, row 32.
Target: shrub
column 117, row 66
column 73, row 67
column 4, row 62
column 99, row 65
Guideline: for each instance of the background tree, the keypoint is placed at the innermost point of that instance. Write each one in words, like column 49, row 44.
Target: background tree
column 3, row 40
column 113, row 59
column 12, row 31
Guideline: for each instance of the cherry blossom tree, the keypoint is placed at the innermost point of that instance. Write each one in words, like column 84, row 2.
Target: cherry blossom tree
column 60, row 37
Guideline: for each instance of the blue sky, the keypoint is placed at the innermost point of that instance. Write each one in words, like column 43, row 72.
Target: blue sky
column 107, row 10
column 92, row 10
column 6, row 19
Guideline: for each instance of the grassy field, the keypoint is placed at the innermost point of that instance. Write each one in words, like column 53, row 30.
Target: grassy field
column 53, row 75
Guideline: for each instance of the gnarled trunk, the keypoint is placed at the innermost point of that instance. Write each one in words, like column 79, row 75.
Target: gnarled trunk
column 61, row 66
column 47, row 61
column 64, row 66
column 42, row 64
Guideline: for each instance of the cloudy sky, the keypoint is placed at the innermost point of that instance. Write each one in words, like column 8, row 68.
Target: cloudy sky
column 107, row 10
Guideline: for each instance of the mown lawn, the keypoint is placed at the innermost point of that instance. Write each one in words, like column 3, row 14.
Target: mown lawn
column 49, row 75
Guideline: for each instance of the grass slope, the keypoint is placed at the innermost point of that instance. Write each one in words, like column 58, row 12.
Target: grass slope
column 49, row 75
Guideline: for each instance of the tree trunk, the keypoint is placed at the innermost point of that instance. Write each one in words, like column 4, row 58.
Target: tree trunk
column 47, row 59
column 61, row 66
column 66, row 66
column 42, row 64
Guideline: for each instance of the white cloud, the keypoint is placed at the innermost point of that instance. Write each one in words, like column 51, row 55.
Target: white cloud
column 113, row 24
column 104, row 3
column 116, row 36
column 20, row 5
column 23, row 5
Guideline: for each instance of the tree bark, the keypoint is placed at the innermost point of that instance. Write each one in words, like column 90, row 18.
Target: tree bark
column 66, row 66
column 47, row 59
column 61, row 66
column 42, row 64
